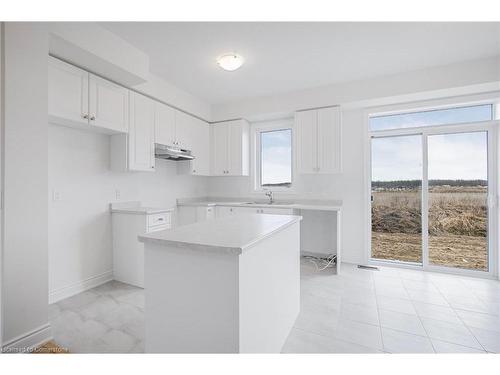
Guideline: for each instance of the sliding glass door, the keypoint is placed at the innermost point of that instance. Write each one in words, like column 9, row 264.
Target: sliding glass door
column 457, row 200
column 429, row 197
column 396, row 191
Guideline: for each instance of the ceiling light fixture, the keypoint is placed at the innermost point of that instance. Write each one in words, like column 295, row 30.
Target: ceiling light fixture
column 230, row 61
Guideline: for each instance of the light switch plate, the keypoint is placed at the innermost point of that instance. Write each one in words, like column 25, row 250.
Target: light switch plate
column 56, row 195
column 118, row 194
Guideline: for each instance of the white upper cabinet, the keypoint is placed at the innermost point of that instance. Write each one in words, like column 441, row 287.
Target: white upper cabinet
column 184, row 130
column 78, row 98
column 201, row 148
column 68, row 94
column 219, row 142
column 318, row 141
column 108, row 104
column 165, row 125
column 141, row 133
column 230, row 148
column 329, row 140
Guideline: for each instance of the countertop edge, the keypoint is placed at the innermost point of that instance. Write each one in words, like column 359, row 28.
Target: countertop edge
column 217, row 248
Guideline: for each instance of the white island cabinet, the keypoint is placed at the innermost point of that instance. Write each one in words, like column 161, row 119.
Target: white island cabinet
column 228, row 285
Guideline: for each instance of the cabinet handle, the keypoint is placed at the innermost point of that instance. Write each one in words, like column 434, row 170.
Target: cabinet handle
column 194, row 170
column 85, row 116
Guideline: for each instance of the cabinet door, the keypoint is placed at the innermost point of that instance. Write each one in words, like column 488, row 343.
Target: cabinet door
column 201, row 148
column 306, row 131
column 68, row 93
column 184, row 130
column 141, row 133
column 108, row 105
column 164, row 125
column 219, row 144
column 329, row 140
column 234, row 148
column 223, row 211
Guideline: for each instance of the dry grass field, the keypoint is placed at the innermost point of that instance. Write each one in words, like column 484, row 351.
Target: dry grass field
column 457, row 226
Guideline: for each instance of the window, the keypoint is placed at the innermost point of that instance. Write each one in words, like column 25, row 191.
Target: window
column 457, row 115
column 274, row 158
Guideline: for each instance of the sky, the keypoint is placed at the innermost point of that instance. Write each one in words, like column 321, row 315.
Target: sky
column 276, row 156
column 450, row 156
column 457, row 115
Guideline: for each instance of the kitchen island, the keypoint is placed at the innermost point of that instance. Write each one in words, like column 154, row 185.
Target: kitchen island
column 228, row 285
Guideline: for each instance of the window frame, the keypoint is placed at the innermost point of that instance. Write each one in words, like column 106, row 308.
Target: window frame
column 263, row 127
column 493, row 128
column 433, row 109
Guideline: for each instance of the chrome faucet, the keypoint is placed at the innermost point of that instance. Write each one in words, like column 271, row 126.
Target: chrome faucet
column 269, row 194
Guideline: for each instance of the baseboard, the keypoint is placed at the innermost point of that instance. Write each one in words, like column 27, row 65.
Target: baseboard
column 81, row 286
column 29, row 341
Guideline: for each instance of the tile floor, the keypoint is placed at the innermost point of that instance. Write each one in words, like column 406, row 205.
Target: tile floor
column 360, row 311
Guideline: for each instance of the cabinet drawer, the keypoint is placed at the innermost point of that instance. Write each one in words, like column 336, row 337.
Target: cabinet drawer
column 158, row 228
column 159, row 219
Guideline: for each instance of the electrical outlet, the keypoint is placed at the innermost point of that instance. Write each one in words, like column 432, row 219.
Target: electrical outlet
column 56, row 195
column 118, row 195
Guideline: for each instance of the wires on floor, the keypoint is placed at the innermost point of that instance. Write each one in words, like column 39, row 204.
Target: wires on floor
column 322, row 262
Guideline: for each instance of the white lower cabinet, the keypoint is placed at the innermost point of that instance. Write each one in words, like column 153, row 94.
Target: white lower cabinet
column 128, row 252
column 193, row 214
column 222, row 211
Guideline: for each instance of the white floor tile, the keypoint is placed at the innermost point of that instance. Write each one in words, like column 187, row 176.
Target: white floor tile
column 305, row 342
column 102, row 305
column 490, row 340
column 401, row 322
column 449, row 332
column 428, row 310
column 427, row 297
column 115, row 341
column 479, row 320
column 420, row 285
column 318, row 317
column 78, row 301
column 359, row 333
column 402, row 342
column 395, row 304
column 446, row 347
column 359, row 313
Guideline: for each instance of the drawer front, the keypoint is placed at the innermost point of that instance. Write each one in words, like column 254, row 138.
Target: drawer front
column 159, row 219
column 210, row 213
column 277, row 211
column 157, row 228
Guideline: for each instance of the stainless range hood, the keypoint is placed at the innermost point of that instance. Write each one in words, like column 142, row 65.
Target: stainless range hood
column 172, row 153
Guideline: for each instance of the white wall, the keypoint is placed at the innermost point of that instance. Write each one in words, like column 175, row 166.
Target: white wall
column 80, row 238
column 1, row 180
column 25, row 285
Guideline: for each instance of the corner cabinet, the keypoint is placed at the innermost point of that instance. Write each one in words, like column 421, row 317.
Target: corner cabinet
column 318, row 140
column 83, row 100
column 135, row 151
column 230, row 148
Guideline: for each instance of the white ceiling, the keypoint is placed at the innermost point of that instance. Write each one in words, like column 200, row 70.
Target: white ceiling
column 283, row 57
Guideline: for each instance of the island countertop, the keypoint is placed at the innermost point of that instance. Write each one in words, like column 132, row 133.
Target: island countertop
column 232, row 235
